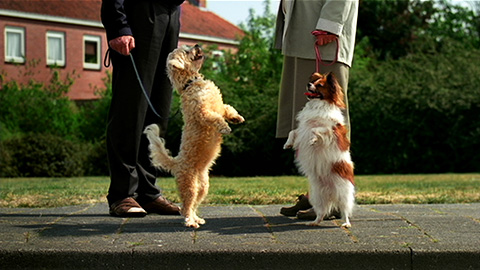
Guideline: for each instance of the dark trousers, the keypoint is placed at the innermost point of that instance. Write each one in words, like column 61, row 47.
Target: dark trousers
column 155, row 29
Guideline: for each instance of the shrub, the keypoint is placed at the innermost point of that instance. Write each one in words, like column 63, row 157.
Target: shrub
column 96, row 163
column 42, row 155
column 38, row 109
column 92, row 116
column 418, row 114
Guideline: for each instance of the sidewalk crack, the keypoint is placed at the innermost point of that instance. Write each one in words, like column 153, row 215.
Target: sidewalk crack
column 194, row 236
column 346, row 230
column 266, row 224
column 49, row 224
column 425, row 233
column 122, row 225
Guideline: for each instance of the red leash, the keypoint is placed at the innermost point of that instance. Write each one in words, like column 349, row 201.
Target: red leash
column 317, row 51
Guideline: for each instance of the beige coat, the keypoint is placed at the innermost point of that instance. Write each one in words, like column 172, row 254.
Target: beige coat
column 298, row 18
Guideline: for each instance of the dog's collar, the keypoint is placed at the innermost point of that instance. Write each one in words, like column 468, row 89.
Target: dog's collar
column 189, row 82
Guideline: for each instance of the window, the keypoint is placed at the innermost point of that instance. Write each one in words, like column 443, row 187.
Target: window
column 91, row 52
column 56, row 48
column 217, row 59
column 14, row 44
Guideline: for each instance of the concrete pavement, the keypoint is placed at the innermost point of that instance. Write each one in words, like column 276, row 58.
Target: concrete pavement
column 445, row 236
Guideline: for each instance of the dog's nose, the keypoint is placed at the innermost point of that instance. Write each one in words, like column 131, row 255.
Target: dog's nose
column 196, row 46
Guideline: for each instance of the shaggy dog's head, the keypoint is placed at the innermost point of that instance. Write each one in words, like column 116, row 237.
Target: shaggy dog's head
column 183, row 65
column 325, row 87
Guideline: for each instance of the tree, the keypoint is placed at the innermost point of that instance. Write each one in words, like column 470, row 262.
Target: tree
column 455, row 22
column 391, row 26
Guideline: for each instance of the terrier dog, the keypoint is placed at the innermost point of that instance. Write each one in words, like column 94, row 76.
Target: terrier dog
column 323, row 149
column 205, row 119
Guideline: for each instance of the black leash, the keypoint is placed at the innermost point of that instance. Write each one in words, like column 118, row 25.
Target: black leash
column 143, row 88
column 107, row 62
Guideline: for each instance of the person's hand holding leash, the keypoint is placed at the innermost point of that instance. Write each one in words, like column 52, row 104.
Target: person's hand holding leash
column 324, row 37
column 123, row 44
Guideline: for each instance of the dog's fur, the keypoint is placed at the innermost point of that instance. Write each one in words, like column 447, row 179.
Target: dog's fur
column 205, row 116
column 323, row 148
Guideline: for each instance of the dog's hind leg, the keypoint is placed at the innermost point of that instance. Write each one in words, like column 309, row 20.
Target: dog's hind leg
column 203, row 186
column 318, row 198
column 320, row 212
column 188, row 189
column 346, row 204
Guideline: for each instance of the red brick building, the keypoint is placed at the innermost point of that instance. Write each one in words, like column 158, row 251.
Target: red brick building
column 69, row 36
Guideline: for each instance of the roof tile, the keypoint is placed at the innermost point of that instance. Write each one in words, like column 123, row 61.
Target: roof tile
column 194, row 20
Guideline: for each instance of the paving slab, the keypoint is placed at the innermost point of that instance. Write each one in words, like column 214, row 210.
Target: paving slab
column 437, row 236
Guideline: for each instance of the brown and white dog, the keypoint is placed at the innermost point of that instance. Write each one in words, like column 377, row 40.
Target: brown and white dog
column 323, row 149
column 205, row 119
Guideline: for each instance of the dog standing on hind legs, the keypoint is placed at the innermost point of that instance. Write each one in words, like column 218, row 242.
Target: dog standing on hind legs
column 205, row 120
column 323, row 149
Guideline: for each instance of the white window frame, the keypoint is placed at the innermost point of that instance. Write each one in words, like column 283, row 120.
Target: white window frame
column 61, row 36
column 98, row 41
column 217, row 56
column 16, row 30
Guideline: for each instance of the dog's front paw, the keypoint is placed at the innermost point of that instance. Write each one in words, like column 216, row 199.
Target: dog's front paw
column 290, row 140
column 237, row 119
column 225, row 130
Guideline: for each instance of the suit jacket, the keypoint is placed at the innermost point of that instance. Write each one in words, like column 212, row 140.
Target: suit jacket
column 114, row 16
column 296, row 20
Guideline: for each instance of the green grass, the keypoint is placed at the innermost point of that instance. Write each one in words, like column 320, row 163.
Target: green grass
column 378, row 189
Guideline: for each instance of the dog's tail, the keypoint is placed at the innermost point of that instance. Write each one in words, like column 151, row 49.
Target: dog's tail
column 159, row 155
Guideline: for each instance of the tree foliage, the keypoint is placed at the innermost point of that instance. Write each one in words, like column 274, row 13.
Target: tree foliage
column 38, row 108
column 392, row 25
column 456, row 22
column 419, row 113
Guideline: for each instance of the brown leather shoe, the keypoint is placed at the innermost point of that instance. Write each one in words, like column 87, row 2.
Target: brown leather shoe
column 161, row 206
column 127, row 207
column 310, row 215
column 302, row 204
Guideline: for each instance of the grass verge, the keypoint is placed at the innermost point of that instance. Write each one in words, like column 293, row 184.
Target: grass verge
column 378, row 189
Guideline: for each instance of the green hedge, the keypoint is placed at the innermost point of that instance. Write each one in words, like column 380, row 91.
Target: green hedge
column 42, row 155
column 43, row 133
column 31, row 108
column 418, row 114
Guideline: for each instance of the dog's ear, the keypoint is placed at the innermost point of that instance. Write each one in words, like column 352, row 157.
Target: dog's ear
column 336, row 90
column 176, row 64
column 331, row 79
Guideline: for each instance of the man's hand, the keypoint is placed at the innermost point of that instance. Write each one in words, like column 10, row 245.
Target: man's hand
column 123, row 44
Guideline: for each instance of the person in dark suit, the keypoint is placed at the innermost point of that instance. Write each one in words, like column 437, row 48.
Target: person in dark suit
column 149, row 31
